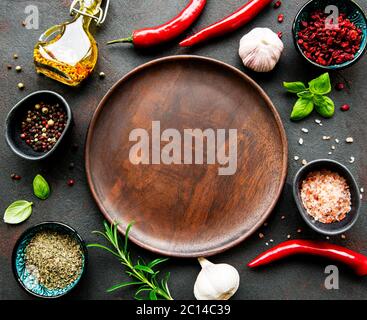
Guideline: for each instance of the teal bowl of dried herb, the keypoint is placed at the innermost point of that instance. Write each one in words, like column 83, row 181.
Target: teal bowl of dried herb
column 49, row 259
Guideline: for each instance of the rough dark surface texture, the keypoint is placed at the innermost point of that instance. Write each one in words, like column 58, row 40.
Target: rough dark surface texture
column 295, row 278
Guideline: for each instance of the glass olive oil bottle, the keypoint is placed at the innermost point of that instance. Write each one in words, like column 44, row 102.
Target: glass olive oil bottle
column 68, row 52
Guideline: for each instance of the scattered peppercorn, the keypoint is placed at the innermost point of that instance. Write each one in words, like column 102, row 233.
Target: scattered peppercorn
column 36, row 130
column 281, row 18
column 345, row 107
column 261, row 235
column 327, row 46
column 23, row 23
column 340, row 86
column 15, row 176
column 102, row 75
column 71, row 182
column 277, row 4
column 9, row 66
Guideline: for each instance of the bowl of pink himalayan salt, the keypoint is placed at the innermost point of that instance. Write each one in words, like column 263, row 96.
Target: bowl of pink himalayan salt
column 327, row 196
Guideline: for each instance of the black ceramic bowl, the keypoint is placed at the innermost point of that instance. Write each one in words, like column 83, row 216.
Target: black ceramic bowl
column 354, row 13
column 16, row 116
column 28, row 280
column 336, row 227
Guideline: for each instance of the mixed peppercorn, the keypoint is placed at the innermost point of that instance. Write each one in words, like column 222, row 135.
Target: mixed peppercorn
column 43, row 126
column 331, row 45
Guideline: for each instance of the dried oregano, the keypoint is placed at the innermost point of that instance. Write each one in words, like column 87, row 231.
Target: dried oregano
column 57, row 259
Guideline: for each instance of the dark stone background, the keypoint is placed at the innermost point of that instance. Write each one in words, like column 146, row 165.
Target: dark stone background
column 294, row 278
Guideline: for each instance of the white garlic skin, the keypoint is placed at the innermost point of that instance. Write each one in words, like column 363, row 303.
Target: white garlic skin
column 260, row 49
column 216, row 281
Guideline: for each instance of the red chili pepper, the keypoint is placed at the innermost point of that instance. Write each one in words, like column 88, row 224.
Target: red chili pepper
column 234, row 21
column 354, row 260
column 149, row 37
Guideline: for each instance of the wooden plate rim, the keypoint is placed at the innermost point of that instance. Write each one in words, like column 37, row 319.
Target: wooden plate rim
column 203, row 253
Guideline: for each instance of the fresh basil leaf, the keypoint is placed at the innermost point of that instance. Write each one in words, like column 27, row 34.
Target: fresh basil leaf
column 321, row 85
column 324, row 106
column 302, row 109
column 18, row 212
column 305, row 94
column 41, row 188
column 294, row 87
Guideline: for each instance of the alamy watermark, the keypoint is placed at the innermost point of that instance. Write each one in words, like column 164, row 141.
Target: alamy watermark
column 332, row 20
column 185, row 148
column 332, row 280
column 32, row 17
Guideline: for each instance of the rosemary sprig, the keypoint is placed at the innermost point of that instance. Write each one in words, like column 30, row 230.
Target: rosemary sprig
column 143, row 275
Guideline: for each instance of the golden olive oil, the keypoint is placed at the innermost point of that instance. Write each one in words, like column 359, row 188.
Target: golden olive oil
column 68, row 52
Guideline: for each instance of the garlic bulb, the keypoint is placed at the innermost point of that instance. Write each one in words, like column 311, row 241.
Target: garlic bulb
column 260, row 49
column 216, row 281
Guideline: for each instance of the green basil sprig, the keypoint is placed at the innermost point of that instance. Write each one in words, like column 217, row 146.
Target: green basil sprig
column 18, row 212
column 313, row 97
column 41, row 188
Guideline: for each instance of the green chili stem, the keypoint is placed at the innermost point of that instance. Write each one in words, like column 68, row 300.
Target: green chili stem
column 122, row 40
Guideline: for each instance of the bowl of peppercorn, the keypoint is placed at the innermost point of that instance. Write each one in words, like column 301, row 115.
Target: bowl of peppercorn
column 330, row 34
column 37, row 124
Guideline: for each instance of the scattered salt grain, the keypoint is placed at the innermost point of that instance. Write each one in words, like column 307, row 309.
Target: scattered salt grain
column 330, row 153
column 352, row 159
column 261, row 235
column 343, row 236
column 349, row 140
column 318, row 121
column 282, row 217
column 266, row 243
column 337, row 140
column 271, row 240
column 326, row 138
column 332, row 147
column 362, row 190
column 296, row 158
column 300, row 141
column 288, row 236
column 304, row 130
column 304, row 162
column 299, row 230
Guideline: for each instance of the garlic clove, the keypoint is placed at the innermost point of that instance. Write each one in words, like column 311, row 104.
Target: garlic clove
column 260, row 49
column 216, row 281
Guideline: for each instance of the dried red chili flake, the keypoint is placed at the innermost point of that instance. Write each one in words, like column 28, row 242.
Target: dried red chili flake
column 329, row 46
column 281, row 18
column 280, row 34
column 277, row 4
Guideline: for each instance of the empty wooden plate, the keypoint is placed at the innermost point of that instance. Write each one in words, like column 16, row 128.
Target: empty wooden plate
column 186, row 210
